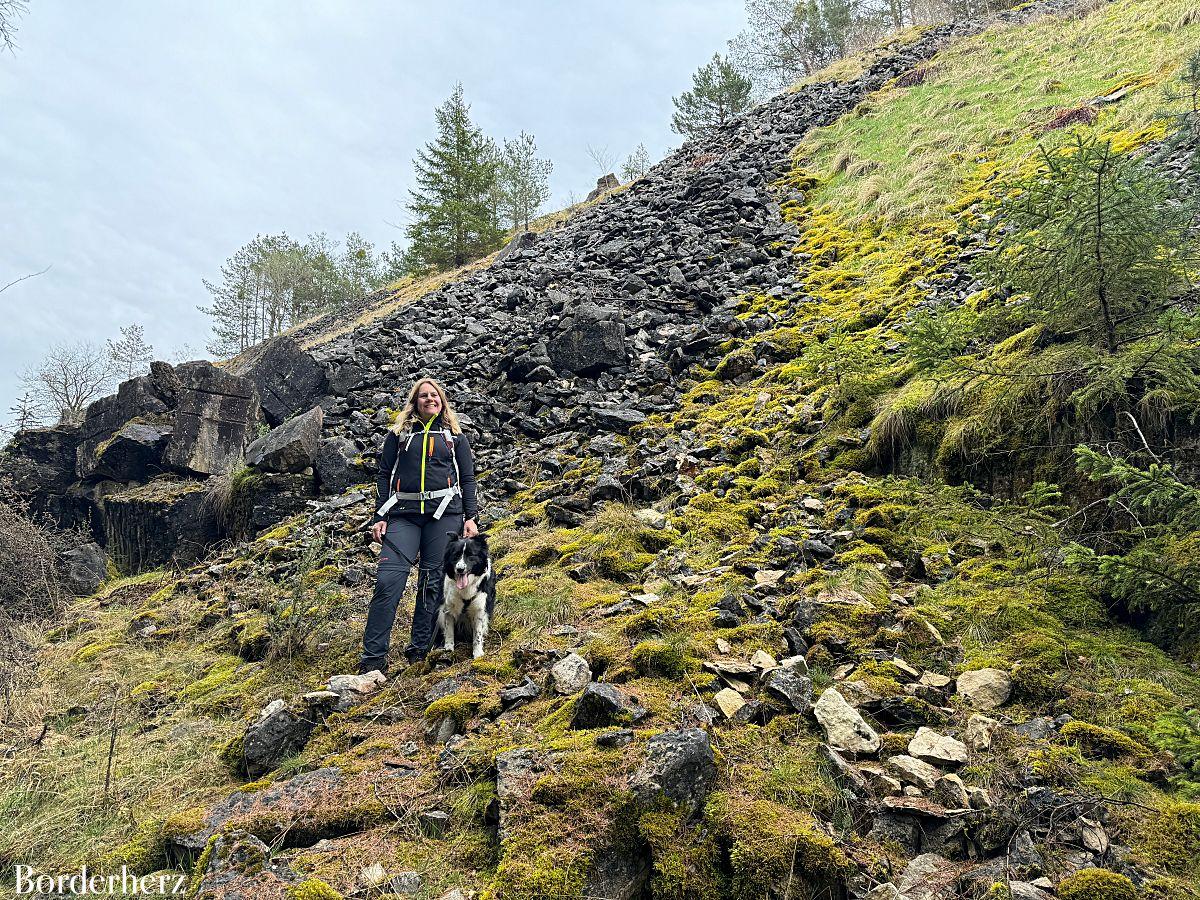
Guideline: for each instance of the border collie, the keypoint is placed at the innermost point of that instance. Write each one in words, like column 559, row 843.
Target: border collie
column 468, row 591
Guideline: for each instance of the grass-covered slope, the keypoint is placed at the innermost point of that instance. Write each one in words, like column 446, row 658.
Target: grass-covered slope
column 810, row 508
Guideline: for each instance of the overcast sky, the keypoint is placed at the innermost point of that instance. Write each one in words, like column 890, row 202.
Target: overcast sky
column 141, row 143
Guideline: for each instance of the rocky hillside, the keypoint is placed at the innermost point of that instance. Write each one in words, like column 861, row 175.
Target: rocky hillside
column 776, row 618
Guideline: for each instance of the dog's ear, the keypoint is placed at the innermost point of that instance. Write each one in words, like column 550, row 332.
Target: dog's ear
column 454, row 535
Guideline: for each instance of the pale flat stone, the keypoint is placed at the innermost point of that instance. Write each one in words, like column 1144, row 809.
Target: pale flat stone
column 937, row 748
column 844, row 728
column 985, row 688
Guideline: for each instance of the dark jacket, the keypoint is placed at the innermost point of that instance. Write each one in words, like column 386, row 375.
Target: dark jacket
column 426, row 464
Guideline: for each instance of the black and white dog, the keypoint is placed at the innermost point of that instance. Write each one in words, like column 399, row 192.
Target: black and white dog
column 468, row 591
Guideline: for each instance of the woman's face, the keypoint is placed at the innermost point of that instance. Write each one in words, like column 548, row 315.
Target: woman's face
column 429, row 404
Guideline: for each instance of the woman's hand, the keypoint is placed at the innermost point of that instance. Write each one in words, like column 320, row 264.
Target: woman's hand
column 470, row 529
column 378, row 530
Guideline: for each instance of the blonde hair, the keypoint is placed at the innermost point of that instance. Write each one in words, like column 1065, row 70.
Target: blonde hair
column 409, row 411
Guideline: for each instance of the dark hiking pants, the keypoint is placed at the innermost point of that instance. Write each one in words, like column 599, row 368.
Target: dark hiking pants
column 413, row 537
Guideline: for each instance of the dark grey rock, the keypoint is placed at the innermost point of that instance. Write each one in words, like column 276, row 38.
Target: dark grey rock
column 679, row 766
column 286, row 378
column 601, row 705
column 215, row 419
column 290, row 447
column 792, row 688
column 85, row 567
column 278, row 733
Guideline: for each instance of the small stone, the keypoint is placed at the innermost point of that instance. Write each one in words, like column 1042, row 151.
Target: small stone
column 434, row 822
column 914, row 771
column 951, row 792
column 937, row 748
column 728, row 701
column 935, row 680
column 985, row 688
column 980, row 730
column 571, row 674
column 763, row 660
column 905, row 669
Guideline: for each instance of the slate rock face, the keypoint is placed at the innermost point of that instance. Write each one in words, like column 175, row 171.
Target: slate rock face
column 286, row 377
column 41, row 463
column 290, row 447
column 336, row 467
column 214, row 419
column 145, row 526
column 275, row 497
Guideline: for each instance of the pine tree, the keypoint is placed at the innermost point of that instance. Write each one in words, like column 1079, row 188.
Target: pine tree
column 131, row 353
column 1094, row 240
column 636, row 163
column 524, row 180
column 787, row 39
column 453, row 207
column 718, row 93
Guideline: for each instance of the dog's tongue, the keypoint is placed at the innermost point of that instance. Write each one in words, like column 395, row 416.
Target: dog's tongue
column 461, row 582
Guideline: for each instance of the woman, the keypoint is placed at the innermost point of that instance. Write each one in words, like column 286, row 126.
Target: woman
column 426, row 486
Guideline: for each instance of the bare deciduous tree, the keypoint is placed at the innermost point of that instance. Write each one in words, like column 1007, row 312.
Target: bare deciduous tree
column 69, row 377
column 10, row 11
column 602, row 157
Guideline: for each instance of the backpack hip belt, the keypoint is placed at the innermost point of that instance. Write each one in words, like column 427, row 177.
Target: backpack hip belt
column 446, row 494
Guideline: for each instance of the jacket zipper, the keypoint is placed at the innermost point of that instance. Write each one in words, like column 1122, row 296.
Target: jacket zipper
column 425, row 449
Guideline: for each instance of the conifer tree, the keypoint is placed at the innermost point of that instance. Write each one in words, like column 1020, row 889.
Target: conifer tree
column 718, row 93
column 524, row 180
column 131, row 353
column 454, row 206
column 1094, row 240
column 636, row 163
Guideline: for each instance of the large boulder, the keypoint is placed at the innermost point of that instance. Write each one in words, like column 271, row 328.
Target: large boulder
column 679, row 767
column 148, row 525
column 133, row 453
column 286, row 378
column 138, row 399
column 215, row 418
column 291, row 447
column 592, row 340
column 844, row 728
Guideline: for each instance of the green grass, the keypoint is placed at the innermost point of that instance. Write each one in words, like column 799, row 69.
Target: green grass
column 901, row 151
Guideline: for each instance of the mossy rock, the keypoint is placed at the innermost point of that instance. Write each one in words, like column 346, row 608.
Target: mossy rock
column 1096, row 884
column 1101, row 743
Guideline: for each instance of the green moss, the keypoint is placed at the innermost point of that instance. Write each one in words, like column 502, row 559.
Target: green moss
column 461, row 706
column 142, row 854
column 1096, row 884
column 685, row 857
column 1170, row 839
column 770, row 843
column 658, row 657
column 1103, row 743
column 311, row 889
